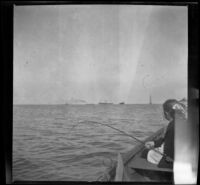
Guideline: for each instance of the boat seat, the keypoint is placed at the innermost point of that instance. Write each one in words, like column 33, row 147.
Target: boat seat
column 141, row 163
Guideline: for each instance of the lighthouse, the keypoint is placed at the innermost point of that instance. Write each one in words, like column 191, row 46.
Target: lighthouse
column 150, row 102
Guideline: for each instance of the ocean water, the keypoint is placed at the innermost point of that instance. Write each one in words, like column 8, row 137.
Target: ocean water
column 46, row 148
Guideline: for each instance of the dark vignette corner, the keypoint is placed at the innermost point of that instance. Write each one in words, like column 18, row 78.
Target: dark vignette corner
column 7, row 89
column 7, row 78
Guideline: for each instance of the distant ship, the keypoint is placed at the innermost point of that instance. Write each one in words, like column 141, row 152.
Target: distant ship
column 105, row 103
column 74, row 101
column 121, row 103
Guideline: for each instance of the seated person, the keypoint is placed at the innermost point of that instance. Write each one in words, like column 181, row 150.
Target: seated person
column 165, row 145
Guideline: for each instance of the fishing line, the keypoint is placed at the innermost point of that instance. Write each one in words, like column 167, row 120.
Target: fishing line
column 163, row 154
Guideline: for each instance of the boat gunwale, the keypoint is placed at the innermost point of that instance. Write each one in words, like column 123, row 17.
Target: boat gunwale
column 127, row 156
column 134, row 151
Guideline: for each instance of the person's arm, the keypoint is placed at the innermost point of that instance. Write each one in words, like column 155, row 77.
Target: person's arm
column 154, row 144
column 158, row 142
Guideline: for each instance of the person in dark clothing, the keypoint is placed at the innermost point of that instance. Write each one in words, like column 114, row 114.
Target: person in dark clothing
column 170, row 107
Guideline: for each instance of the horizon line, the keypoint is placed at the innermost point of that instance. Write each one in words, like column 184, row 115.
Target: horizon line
column 83, row 104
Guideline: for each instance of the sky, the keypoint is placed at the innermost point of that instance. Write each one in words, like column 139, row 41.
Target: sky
column 113, row 53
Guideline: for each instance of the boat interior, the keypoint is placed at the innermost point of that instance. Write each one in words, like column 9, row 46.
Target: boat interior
column 139, row 169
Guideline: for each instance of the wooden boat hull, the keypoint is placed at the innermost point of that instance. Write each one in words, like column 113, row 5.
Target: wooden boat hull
column 132, row 167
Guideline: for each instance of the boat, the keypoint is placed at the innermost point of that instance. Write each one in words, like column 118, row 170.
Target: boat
column 121, row 103
column 131, row 166
column 105, row 103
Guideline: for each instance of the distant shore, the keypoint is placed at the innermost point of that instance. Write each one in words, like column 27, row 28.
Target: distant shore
column 114, row 104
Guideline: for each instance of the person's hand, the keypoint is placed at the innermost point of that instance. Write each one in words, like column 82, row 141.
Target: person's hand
column 149, row 144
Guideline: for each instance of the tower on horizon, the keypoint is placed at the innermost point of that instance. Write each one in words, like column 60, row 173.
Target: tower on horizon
column 150, row 101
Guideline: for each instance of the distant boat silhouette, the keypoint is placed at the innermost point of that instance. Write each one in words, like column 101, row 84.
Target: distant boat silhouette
column 75, row 101
column 105, row 103
column 121, row 103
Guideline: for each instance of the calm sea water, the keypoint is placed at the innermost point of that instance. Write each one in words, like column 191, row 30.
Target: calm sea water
column 44, row 148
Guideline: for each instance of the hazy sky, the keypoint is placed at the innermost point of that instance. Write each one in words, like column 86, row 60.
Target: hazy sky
column 99, row 53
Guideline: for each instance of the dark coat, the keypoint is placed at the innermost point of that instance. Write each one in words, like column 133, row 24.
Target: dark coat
column 168, row 141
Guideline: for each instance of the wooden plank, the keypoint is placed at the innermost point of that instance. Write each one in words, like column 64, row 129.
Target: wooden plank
column 143, row 164
column 126, row 177
column 119, row 169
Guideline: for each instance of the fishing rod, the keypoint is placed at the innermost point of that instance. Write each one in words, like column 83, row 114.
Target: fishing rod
column 142, row 142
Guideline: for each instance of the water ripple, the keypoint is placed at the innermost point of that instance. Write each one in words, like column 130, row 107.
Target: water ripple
column 44, row 149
